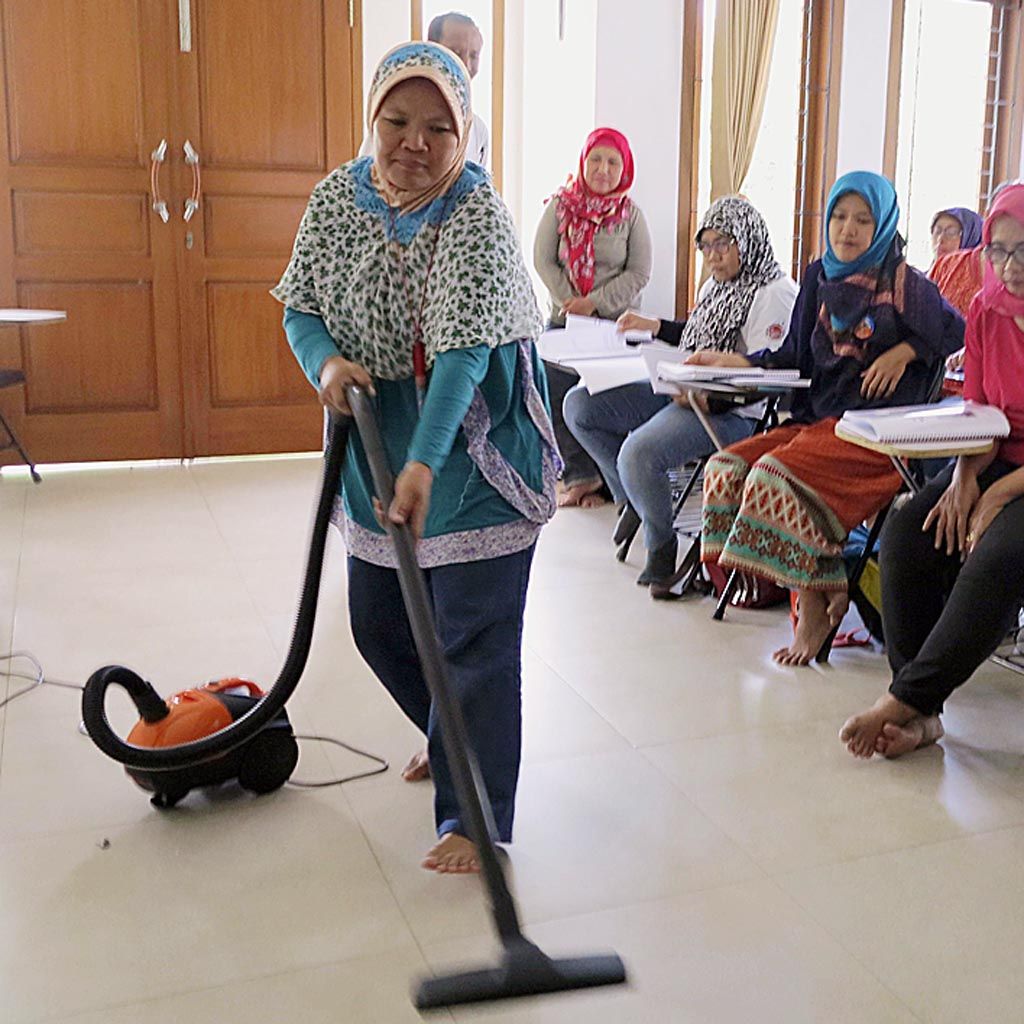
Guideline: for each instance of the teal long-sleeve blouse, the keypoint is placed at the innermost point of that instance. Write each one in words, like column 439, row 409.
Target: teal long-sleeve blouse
column 468, row 517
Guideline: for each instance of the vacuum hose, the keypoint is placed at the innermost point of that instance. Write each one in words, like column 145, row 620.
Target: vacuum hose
column 149, row 703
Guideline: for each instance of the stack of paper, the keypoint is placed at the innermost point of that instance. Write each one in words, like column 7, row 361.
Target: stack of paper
column 603, row 356
column 727, row 379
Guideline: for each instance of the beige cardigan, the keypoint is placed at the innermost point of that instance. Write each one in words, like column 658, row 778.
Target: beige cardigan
column 622, row 264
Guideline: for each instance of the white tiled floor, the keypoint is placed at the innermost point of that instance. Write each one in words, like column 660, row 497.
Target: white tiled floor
column 683, row 800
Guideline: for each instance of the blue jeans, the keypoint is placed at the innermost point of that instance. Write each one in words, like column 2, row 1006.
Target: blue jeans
column 478, row 609
column 636, row 437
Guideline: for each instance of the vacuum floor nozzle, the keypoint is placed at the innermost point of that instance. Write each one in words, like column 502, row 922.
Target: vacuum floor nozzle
column 524, row 971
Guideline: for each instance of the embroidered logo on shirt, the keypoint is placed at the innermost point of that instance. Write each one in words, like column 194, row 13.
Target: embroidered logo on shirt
column 774, row 332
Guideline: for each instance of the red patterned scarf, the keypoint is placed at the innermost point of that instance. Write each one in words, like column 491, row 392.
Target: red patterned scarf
column 581, row 212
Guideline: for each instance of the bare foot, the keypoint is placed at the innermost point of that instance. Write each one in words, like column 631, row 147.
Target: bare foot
column 418, row 767
column 593, row 500
column 819, row 612
column 572, row 496
column 452, row 854
column 897, row 740
column 860, row 733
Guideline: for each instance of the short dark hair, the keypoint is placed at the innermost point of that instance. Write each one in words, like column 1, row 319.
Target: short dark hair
column 437, row 25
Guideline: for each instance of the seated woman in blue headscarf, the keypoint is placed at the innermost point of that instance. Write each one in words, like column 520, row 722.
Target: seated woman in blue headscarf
column 868, row 331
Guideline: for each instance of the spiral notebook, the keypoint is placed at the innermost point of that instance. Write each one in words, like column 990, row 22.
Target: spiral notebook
column 926, row 424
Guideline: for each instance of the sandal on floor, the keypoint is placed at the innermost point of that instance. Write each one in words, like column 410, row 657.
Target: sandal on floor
column 852, row 639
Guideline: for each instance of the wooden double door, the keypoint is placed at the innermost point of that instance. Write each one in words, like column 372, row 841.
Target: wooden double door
column 226, row 111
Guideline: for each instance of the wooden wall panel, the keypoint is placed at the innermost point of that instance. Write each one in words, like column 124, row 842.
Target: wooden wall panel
column 261, row 90
column 63, row 223
column 74, row 81
column 251, row 225
column 251, row 363
column 102, row 359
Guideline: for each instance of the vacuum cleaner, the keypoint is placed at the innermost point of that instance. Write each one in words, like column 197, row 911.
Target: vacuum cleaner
column 229, row 729
column 524, row 969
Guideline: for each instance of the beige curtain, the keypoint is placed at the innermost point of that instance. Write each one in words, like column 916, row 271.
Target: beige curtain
column 744, row 36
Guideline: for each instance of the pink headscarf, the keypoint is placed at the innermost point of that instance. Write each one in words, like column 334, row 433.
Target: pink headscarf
column 581, row 212
column 994, row 294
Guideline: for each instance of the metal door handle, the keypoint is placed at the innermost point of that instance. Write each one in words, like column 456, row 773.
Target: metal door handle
column 158, row 156
column 192, row 203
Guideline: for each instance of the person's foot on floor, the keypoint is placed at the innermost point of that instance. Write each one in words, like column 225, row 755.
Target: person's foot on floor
column 819, row 612
column 452, row 854
column 572, row 495
column 860, row 733
column 593, row 500
column 897, row 740
column 418, row 767
column 660, row 565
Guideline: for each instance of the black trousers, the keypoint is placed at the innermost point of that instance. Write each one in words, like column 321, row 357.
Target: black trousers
column 943, row 618
column 579, row 466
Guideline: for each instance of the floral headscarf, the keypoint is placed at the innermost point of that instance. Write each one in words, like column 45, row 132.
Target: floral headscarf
column 438, row 65
column 581, row 211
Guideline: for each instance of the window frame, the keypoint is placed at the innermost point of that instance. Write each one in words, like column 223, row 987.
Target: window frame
column 417, row 30
column 818, row 127
column 1003, row 117
column 817, row 135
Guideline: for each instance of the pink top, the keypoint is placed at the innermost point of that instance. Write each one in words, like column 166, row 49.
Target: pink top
column 994, row 371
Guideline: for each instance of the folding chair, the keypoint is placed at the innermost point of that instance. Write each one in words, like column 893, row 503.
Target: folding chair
column 9, row 378
column 688, row 489
column 912, row 473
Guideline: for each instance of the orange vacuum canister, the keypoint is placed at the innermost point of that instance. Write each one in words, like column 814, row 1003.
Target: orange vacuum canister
column 260, row 765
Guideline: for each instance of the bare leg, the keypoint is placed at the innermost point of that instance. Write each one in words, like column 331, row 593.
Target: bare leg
column 861, row 732
column 897, row 740
column 452, row 854
column 819, row 613
column 418, row 767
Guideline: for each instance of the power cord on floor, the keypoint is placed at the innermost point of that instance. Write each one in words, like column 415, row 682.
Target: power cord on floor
column 37, row 678
column 383, row 765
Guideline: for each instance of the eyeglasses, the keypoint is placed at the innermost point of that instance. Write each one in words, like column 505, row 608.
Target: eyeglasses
column 953, row 231
column 719, row 246
column 998, row 256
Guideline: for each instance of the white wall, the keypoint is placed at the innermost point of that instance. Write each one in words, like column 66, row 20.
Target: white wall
column 385, row 24
column 864, row 78
column 639, row 80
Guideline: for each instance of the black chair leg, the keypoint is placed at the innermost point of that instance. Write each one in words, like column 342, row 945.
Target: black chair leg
column 727, row 592
column 853, row 580
column 16, row 444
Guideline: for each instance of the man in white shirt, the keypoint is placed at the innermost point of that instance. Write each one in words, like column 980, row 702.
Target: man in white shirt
column 458, row 32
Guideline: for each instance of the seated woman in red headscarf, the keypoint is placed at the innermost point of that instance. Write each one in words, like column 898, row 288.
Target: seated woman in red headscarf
column 953, row 556
column 593, row 253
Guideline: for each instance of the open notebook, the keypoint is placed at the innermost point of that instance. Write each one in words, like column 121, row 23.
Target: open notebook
column 926, row 424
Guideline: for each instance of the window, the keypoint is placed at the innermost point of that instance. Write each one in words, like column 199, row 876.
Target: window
column 769, row 182
column 943, row 86
column 790, row 120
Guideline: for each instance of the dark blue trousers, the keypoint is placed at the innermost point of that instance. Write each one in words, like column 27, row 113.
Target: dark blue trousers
column 478, row 608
